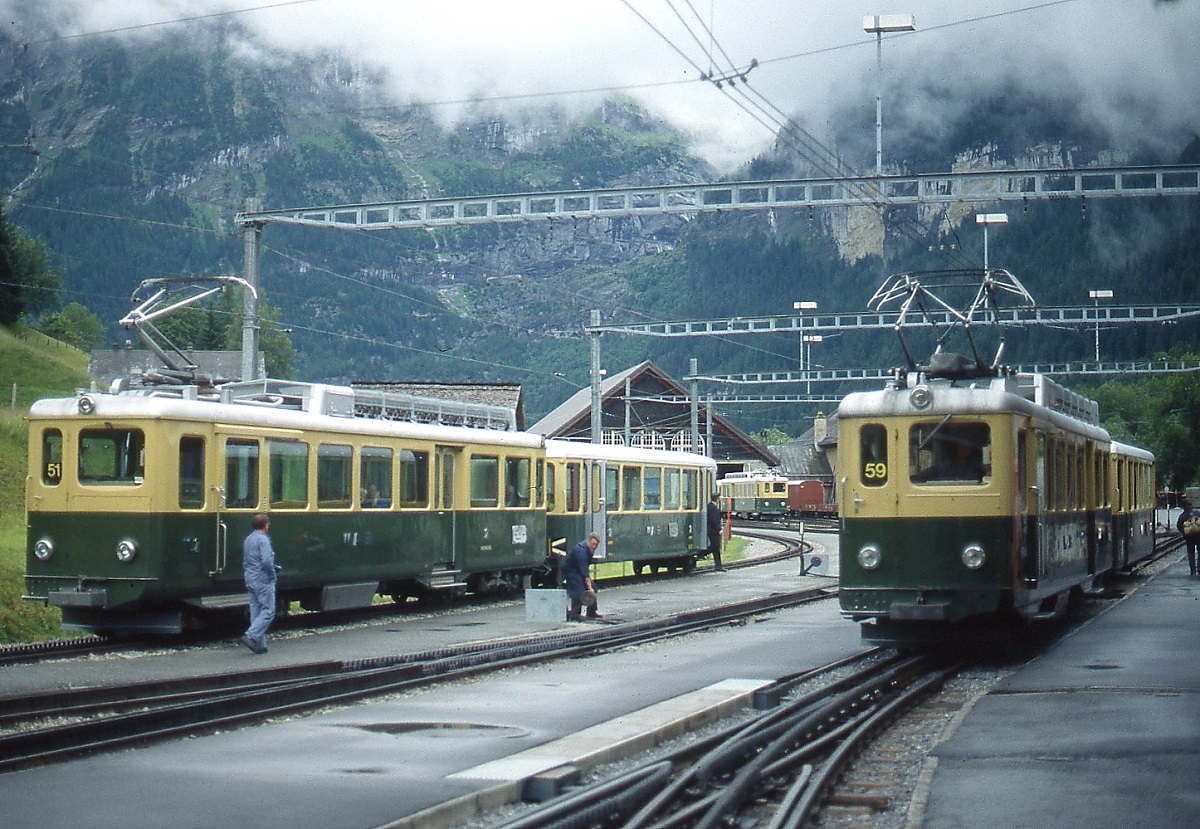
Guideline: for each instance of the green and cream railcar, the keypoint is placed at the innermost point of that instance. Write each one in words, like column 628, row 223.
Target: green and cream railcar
column 138, row 504
column 648, row 506
column 969, row 501
column 1132, row 500
column 754, row 494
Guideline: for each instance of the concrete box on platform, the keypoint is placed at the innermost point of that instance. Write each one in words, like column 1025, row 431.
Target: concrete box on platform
column 545, row 605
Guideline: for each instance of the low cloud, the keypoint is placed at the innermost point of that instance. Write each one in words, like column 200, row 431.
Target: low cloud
column 1129, row 64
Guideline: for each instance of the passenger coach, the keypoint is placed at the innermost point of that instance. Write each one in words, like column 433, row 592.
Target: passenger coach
column 754, row 494
column 138, row 504
column 647, row 505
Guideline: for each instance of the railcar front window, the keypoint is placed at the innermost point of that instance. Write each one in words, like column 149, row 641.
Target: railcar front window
column 944, row 452
column 873, row 454
column 112, row 456
column 52, row 449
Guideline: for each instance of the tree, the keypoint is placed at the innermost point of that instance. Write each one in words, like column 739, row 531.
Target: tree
column 74, row 325
column 27, row 282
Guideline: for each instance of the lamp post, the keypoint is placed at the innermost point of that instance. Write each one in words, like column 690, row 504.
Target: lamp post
column 800, row 307
column 987, row 219
column 1096, row 296
column 877, row 25
column 808, row 340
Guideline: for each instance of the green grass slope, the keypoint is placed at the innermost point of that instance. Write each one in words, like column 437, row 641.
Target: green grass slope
column 36, row 367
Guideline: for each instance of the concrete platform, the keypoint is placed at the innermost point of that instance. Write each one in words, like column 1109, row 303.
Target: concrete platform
column 1101, row 732
column 432, row 757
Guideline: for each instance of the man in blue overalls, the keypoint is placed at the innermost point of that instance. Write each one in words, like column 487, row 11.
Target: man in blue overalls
column 575, row 571
column 258, row 563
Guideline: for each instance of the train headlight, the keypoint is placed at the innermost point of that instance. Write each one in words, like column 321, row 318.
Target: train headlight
column 869, row 557
column 43, row 550
column 87, row 404
column 973, row 556
column 126, row 551
column 921, row 397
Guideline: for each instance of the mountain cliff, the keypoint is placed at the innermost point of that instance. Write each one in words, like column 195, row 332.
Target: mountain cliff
column 131, row 159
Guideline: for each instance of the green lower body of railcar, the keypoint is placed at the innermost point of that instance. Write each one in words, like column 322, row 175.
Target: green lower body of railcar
column 672, row 539
column 760, row 507
column 185, row 565
column 1133, row 537
column 923, row 577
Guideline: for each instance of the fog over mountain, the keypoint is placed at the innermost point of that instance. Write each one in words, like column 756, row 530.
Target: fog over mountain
column 1128, row 64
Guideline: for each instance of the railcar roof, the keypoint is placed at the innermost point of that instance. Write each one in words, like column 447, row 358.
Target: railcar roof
column 747, row 477
column 145, row 407
column 1013, row 395
column 556, row 448
column 1137, row 452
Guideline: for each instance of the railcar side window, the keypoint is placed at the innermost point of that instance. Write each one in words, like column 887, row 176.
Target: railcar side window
column 551, row 482
column 516, row 482
column 612, row 488
column 52, row 448
column 945, row 452
column 873, row 454
column 191, row 472
column 671, row 488
column 241, row 473
column 574, row 483
column 112, row 456
column 289, row 474
column 652, row 487
column 414, row 478
column 631, row 487
column 335, row 464
column 691, row 489
column 375, row 477
column 485, row 480
column 445, row 462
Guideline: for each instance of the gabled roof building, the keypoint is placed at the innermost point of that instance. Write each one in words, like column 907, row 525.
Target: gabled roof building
column 644, row 406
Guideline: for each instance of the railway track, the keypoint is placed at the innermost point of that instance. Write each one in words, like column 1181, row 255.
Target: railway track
column 790, row 546
column 850, row 755
column 68, row 722
column 776, row 770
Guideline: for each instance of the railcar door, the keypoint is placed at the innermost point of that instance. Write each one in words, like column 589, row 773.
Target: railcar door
column 1024, row 521
column 1034, row 521
column 595, row 497
column 445, row 459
